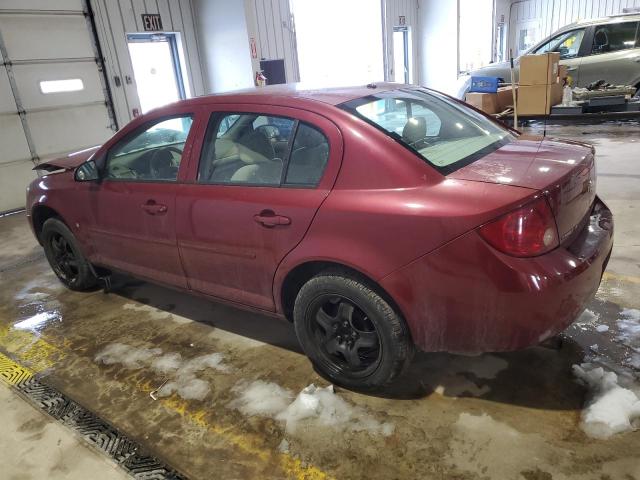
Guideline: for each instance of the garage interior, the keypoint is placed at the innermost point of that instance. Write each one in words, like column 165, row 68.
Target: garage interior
column 79, row 372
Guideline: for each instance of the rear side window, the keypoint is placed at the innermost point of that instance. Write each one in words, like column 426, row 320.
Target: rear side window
column 254, row 149
column 612, row 37
column 446, row 134
column 309, row 156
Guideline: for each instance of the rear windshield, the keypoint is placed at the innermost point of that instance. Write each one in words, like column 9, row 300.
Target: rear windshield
column 447, row 134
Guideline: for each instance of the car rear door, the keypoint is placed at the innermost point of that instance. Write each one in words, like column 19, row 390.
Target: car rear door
column 132, row 226
column 612, row 55
column 256, row 181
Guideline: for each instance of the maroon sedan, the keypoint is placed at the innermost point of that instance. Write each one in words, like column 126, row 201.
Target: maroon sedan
column 376, row 219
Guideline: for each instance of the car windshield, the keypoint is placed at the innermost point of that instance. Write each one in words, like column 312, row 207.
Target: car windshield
column 447, row 134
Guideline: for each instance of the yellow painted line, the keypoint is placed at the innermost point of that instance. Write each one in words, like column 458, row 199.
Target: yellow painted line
column 40, row 355
column 621, row 278
column 12, row 373
column 30, row 348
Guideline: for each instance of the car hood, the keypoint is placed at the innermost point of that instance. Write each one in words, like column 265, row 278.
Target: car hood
column 69, row 162
column 530, row 162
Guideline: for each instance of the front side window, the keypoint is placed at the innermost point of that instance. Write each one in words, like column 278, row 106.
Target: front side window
column 446, row 134
column 154, row 153
column 612, row 37
column 567, row 44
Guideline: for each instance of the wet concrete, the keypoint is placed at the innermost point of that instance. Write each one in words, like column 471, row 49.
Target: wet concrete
column 32, row 445
column 499, row 416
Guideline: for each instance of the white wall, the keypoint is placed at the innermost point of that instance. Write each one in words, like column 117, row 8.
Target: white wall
column 438, row 40
column 270, row 25
column 224, row 45
column 546, row 16
column 409, row 10
column 115, row 18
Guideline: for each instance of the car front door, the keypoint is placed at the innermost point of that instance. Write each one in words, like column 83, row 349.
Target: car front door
column 133, row 206
column 613, row 55
column 259, row 177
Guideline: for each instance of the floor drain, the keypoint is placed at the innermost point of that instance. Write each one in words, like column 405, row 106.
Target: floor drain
column 127, row 453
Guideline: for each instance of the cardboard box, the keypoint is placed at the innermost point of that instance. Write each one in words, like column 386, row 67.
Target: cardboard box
column 492, row 103
column 538, row 99
column 539, row 69
column 487, row 102
column 505, row 98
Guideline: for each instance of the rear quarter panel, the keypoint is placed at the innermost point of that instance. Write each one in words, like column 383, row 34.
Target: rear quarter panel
column 388, row 207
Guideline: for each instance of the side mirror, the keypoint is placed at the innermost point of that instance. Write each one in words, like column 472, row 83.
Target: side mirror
column 87, row 172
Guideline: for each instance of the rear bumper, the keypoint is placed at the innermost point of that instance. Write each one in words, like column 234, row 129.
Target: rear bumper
column 467, row 297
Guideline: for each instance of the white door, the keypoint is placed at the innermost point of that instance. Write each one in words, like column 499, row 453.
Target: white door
column 52, row 95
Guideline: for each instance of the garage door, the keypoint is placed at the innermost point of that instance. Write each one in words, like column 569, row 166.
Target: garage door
column 52, row 95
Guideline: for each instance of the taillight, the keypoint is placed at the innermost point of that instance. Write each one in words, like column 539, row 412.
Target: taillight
column 526, row 232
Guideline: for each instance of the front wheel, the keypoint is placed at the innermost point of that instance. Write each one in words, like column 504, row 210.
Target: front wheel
column 63, row 254
column 351, row 334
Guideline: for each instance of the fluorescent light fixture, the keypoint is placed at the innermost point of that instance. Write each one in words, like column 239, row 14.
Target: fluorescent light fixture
column 59, row 86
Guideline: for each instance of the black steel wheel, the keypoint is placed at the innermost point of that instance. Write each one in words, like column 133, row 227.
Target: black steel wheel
column 346, row 338
column 350, row 332
column 65, row 257
column 65, row 263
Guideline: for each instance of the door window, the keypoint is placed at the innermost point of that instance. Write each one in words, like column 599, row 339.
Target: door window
column 613, row 37
column 567, row 44
column 308, row 158
column 152, row 154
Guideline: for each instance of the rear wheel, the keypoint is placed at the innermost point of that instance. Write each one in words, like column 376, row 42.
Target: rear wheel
column 351, row 334
column 63, row 253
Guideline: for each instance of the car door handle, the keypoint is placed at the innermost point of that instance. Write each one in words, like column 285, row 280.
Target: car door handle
column 269, row 218
column 153, row 208
column 571, row 69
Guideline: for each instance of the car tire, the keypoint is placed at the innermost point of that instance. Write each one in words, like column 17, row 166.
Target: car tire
column 65, row 256
column 336, row 313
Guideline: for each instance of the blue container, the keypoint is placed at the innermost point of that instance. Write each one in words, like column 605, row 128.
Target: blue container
column 484, row 84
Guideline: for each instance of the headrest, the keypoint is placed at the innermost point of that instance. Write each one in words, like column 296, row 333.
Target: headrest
column 308, row 137
column 258, row 143
column 414, row 130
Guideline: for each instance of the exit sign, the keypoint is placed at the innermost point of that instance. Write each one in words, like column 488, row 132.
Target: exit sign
column 151, row 22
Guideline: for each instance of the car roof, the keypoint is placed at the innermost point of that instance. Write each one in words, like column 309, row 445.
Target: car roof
column 296, row 91
column 625, row 17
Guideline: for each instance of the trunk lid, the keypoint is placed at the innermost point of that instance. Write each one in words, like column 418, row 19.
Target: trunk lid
column 69, row 162
column 564, row 170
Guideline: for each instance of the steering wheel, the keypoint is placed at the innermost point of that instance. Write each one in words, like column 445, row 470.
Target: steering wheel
column 162, row 158
column 270, row 131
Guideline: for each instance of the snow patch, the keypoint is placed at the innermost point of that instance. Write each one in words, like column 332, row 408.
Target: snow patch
column 634, row 361
column 188, row 387
column 610, row 408
column 588, row 317
column 261, row 398
column 169, row 362
column 180, row 374
column 602, row 328
column 130, row 357
column 311, row 408
column 629, row 327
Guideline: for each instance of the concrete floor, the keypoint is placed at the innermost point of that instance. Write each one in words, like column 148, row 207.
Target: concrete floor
column 502, row 416
column 32, row 445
